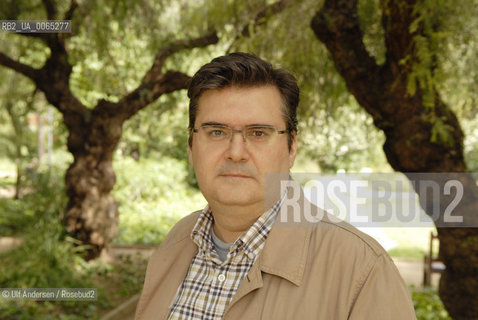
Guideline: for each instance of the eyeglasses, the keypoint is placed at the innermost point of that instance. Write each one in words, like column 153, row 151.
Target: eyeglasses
column 255, row 134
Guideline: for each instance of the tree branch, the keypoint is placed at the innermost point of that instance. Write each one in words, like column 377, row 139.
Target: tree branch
column 71, row 10
column 148, row 92
column 42, row 36
column 396, row 20
column 260, row 19
column 337, row 26
column 155, row 82
column 50, row 9
column 263, row 15
column 24, row 69
column 178, row 45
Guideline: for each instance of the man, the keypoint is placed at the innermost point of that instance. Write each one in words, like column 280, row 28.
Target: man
column 233, row 260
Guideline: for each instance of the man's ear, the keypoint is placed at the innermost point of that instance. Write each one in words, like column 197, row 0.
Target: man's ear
column 293, row 149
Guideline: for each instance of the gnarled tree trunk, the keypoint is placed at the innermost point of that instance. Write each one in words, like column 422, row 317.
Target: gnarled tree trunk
column 412, row 144
column 92, row 212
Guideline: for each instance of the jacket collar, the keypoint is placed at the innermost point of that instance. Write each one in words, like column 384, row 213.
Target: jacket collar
column 286, row 248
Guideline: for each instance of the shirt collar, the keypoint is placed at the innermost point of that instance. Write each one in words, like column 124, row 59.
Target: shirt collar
column 201, row 233
column 253, row 239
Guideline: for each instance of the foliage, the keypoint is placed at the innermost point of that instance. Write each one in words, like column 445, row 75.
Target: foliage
column 114, row 44
column 152, row 196
column 114, row 282
column 45, row 261
column 17, row 141
column 128, row 274
column 471, row 143
column 164, row 123
column 51, row 259
column 370, row 19
column 43, row 202
column 336, row 141
column 428, row 305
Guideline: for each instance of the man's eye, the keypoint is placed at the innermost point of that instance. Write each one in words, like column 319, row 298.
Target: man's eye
column 258, row 133
column 216, row 133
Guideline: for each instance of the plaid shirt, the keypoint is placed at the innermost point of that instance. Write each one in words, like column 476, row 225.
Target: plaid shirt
column 210, row 283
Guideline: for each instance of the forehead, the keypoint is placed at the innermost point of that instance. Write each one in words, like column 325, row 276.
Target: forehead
column 241, row 106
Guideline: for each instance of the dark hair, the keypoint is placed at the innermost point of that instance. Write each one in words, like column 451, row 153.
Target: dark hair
column 244, row 70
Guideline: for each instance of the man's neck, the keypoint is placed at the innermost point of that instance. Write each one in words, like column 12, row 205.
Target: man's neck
column 230, row 222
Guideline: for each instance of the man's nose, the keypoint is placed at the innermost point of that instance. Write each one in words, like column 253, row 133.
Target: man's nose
column 237, row 149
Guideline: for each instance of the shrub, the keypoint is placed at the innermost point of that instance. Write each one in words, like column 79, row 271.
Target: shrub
column 428, row 305
column 45, row 199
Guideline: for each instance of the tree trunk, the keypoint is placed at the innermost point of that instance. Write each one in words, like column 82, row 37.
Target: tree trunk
column 92, row 212
column 419, row 138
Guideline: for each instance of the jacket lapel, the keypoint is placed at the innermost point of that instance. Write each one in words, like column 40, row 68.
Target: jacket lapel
column 284, row 255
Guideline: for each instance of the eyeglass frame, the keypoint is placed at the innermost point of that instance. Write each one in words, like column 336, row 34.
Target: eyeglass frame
column 242, row 131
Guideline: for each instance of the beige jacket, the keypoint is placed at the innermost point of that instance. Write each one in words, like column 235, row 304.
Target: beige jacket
column 325, row 271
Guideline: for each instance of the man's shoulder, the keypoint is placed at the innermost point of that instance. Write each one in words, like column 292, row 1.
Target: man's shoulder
column 181, row 230
column 346, row 236
column 325, row 228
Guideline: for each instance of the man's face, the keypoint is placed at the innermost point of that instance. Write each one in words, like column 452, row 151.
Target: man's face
column 232, row 173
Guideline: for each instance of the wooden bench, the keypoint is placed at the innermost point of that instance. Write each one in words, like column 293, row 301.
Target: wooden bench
column 432, row 263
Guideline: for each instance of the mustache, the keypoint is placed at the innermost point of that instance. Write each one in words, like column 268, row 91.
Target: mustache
column 235, row 168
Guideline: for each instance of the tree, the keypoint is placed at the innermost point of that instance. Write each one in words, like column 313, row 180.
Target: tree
column 422, row 132
column 92, row 213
